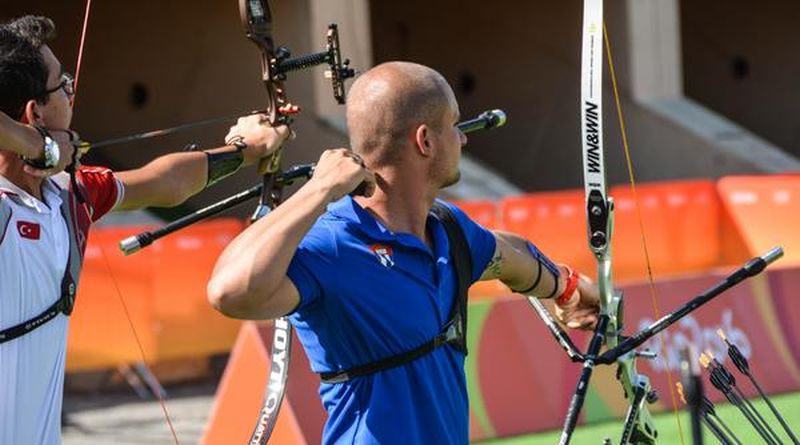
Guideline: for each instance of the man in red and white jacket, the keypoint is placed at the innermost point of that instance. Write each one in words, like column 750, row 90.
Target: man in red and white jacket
column 45, row 216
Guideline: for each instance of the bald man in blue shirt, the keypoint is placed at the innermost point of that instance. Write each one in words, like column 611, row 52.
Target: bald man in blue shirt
column 369, row 280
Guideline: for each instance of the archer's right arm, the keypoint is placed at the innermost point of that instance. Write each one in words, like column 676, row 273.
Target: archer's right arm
column 26, row 141
column 249, row 280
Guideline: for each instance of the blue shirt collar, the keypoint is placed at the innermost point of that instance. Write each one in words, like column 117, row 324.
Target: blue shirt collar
column 349, row 210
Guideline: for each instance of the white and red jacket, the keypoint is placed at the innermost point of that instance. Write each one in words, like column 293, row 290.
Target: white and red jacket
column 42, row 245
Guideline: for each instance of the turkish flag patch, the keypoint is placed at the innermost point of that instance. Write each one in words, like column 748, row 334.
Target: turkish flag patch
column 29, row 230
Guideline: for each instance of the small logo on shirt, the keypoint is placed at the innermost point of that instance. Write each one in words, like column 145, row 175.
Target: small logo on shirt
column 384, row 254
column 29, row 230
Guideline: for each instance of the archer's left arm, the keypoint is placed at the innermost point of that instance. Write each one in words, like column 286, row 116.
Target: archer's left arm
column 171, row 179
column 524, row 269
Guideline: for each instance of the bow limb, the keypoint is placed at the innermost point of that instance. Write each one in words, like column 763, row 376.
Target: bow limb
column 110, row 272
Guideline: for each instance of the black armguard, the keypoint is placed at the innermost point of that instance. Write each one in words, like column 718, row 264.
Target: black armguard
column 221, row 165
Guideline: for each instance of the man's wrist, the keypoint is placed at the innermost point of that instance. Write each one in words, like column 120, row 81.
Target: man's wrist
column 570, row 287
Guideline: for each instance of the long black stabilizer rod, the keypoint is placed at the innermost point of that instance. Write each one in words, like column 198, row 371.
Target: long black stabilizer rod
column 750, row 269
column 576, row 403
column 485, row 121
column 136, row 242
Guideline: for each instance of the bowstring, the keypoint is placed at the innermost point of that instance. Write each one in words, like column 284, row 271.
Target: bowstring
column 632, row 180
column 155, row 391
column 80, row 50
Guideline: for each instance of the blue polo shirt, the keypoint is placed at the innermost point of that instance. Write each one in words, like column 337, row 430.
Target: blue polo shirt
column 367, row 293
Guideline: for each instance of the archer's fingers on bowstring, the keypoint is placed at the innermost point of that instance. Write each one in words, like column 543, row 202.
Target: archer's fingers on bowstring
column 80, row 147
column 353, row 155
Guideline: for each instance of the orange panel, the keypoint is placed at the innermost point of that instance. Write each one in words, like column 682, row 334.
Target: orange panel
column 483, row 212
column 681, row 222
column 100, row 334
column 187, row 325
column 765, row 211
column 163, row 288
column 555, row 222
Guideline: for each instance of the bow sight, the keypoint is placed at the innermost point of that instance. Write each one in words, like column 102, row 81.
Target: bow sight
column 339, row 69
column 277, row 62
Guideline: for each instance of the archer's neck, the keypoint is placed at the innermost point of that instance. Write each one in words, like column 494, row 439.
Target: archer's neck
column 401, row 203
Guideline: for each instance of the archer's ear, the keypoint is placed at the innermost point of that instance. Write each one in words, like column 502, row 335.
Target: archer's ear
column 422, row 140
column 32, row 114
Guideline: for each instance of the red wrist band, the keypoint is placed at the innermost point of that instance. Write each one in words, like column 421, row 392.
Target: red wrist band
column 572, row 284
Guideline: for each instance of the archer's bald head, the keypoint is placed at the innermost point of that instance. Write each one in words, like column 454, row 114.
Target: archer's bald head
column 388, row 102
